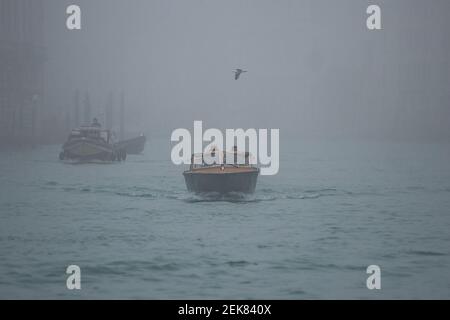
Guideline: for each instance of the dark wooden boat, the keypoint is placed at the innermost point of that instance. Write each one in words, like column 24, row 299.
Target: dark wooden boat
column 221, row 178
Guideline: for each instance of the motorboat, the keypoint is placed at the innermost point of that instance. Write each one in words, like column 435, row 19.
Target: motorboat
column 206, row 175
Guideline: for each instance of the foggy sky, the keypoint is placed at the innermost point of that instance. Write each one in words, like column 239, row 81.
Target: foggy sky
column 314, row 68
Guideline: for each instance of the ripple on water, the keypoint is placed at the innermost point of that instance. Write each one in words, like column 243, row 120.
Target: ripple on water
column 232, row 197
column 426, row 253
column 136, row 195
column 240, row 263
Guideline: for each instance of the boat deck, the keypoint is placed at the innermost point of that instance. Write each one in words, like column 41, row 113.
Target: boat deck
column 224, row 170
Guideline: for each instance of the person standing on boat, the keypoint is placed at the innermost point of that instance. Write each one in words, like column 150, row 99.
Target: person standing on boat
column 95, row 123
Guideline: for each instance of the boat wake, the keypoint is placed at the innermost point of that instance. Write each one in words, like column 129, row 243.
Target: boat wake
column 232, row 197
column 180, row 194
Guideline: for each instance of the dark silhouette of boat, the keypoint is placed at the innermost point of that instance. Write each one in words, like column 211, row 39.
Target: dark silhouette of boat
column 89, row 143
column 133, row 146
column 222, row 178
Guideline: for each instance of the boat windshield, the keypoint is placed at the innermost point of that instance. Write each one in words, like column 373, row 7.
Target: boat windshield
column 241, row 159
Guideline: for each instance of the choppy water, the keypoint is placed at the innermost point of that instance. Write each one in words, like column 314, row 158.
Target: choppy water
column 309, row 232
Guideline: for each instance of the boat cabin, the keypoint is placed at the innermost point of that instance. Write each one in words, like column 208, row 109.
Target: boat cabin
column 217, row 158
column 89, row 132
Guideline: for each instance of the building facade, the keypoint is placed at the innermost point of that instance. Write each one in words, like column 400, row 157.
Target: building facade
column 22, row 58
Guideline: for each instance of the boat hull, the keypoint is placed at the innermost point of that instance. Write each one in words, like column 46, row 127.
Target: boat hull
column 87, row 150
column 226, row 182
column 133, row 146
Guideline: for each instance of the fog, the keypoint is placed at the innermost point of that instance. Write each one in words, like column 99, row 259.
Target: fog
column 315, row 70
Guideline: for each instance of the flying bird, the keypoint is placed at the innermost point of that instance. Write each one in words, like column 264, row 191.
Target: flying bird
column 237, row 73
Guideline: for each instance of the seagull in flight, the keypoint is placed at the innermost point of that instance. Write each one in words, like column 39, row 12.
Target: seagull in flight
column 237, row 73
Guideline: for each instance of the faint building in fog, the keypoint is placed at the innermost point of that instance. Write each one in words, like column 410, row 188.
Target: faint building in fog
column 22, row 57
